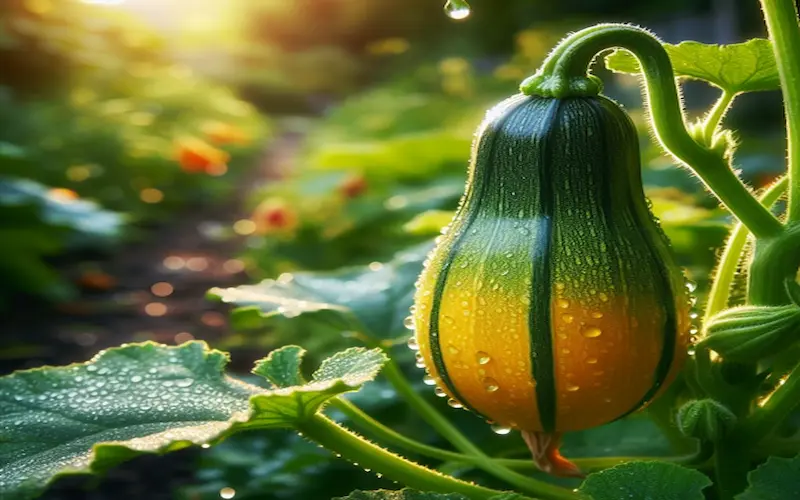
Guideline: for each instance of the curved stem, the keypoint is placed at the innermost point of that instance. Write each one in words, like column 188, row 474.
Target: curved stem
column 731, row 465
column 564, row 74
column 715, row 116
column 784, row 31
column 720, row 291
column 773, row 410
column 545, row 490
column 386, row 435
column 356, row 449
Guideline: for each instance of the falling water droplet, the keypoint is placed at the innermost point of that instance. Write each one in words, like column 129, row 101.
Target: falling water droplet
column 490, row 384
column 457, row 9
column 500, row 429
column 591, row 332
column 483, row 357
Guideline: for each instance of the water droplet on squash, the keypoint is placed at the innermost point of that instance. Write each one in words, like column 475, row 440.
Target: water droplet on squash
column 452, row 349
column 562, row 303
column 452, row 403
column 449, row 320
column 572, row 387
column 502, row 430
column 428, row 380
column 490, row 384
column 439, row 392
column 591, row 361
column 409, row 322
column 597, row 314
column 568, row 318
column 412, row 344
column 483, row 357
column 603, row 296
column 591, row 332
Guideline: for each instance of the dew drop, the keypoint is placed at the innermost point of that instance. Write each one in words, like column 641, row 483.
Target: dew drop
column 439, row 392
column 91, row 368
column 490, row 384
column 562, row 303
column 568, row 318
column 591, row 332
column 452, row 403
column 428, row 380
column 591, row 361
column 572, row 387
column 691, row 286
column 560, row 287
column 412, row 344
column 449, row 320
column 502, row 430
column 483, row 357
column 452, row 349
column 409, row 322
column 603, row 296
column 136, row 379
column 185, row 382
column 597, row 314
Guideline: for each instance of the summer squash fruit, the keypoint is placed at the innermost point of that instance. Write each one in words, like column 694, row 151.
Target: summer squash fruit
column 552, row 302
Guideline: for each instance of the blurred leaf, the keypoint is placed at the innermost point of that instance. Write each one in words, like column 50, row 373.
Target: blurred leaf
column 430, row 222
column 776, row 479
column 740, row 67
column 651, row 480
column 409, row 494
column 372, row 300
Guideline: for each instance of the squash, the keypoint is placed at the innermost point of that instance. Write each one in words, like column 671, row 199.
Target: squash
column 552, row 301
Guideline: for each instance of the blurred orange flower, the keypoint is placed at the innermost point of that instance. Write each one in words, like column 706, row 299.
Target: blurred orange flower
column 225, row 133
column 197, row 156
column 353, row 187
column 96, row 280
column 274, row 215
column 62, row 194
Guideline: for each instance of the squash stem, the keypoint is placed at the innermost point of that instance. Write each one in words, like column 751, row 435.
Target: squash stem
column 358, row 450
column 564, row 74
column 540, row 488
column 717, row 113
column 772, row 410
column 784, row 32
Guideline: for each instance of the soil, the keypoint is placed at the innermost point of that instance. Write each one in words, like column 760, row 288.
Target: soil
column 158, row 293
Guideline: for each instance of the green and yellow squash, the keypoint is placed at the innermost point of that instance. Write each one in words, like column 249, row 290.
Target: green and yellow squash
column 552, row 301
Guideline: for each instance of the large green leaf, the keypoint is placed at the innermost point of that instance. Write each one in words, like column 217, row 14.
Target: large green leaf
column 148, row 398
column 740, row 67
column 372, row 300
column 650, row 480
column 777, row 479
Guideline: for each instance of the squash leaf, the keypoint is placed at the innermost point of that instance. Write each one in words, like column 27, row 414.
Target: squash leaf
column 651, row 480
column 370, row 300
column 149, row 398
column 409, row 494
column 777, row 479
column 740, row 67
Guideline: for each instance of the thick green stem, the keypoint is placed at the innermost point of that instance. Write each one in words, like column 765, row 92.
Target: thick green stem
column 358, row 450
column 784, row 31
column 775, row 261
column 564, row 74
column 731, row 464
column 545, row 490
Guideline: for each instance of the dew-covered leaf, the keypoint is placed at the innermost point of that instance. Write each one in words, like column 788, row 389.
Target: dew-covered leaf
column 651, row 480
column 129, row 400
column 430, row 222
column 148, row 398
column 372, row 300
column 740, row 67
column 777, row 479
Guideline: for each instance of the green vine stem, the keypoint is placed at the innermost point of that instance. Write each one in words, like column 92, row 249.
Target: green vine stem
column 443, row 426
column 564, row 74
column 389, row 436
column 358, row 450
column 784, row 31
column 715, row 116
column 720, row 292
column 772, row 411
